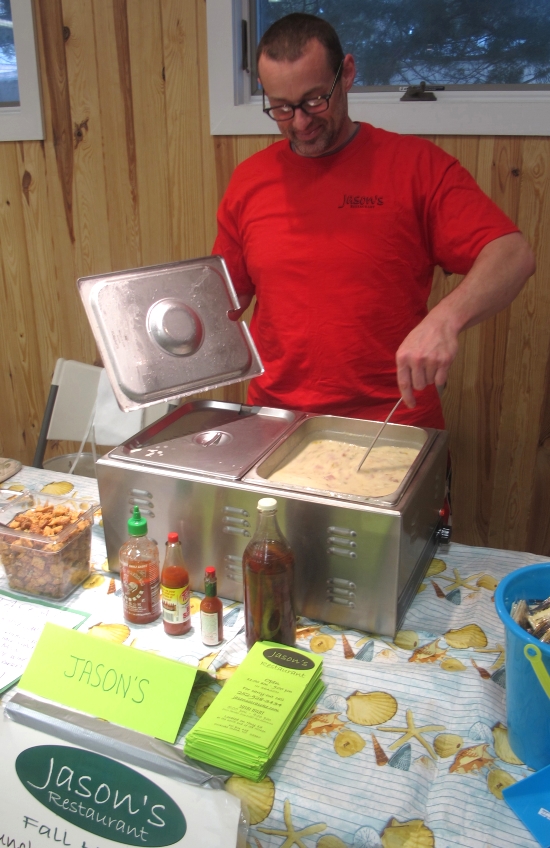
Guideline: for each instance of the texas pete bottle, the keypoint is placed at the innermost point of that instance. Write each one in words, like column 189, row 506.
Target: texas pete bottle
column 268, row 577
column 174, row 581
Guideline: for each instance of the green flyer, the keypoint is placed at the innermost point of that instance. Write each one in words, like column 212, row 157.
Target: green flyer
column 258, row 709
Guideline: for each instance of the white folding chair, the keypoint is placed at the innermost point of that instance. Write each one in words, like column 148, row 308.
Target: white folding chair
column 81, row 407
column 70, row 406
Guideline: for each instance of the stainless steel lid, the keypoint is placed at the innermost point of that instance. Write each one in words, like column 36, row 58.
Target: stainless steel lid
column 163, row 332
column 208, row 437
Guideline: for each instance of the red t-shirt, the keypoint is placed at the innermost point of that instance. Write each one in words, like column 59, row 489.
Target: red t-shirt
column 340, row 252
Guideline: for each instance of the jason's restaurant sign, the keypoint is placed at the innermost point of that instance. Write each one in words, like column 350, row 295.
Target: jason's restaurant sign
column 101, row 796
column 60, row 796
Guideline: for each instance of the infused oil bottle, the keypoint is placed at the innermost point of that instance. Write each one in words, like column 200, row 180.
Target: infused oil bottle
column 268, row 577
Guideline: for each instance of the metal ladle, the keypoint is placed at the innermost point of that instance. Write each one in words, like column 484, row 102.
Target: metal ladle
column 372, row 444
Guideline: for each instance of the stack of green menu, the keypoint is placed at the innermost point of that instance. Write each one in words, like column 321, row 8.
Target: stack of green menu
column 250, row 721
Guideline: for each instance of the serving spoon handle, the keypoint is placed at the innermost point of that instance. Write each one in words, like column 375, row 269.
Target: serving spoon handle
column 378, row 434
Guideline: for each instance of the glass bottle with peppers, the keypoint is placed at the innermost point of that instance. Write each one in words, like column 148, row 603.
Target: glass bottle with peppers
column 211, row 610
column 139, row 573
column 174, row 580
column 268, row 576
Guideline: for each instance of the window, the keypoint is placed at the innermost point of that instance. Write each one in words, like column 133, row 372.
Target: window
column 493, row 67
column 20, row 114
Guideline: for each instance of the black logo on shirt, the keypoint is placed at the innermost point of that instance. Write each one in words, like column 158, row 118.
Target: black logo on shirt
column 361, row 201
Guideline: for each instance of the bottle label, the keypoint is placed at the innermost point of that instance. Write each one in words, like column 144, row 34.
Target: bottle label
column 141, row 591
column 209, row 628
column 175, row 604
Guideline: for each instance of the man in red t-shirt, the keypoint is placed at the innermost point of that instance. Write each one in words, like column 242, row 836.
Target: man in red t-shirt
column 337, row 229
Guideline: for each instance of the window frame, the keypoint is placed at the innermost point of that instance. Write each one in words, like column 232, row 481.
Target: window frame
column 24, row 122
column 234, row 111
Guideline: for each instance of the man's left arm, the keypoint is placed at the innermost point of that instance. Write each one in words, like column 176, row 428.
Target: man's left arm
column 498, row 274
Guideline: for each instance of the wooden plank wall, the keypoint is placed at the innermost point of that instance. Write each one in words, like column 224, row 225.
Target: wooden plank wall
column 128, row 175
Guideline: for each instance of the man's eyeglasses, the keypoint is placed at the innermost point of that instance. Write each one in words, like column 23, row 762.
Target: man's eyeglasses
column 311, row 106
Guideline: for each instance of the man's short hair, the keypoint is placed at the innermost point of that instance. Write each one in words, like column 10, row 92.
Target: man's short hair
column 286, row 39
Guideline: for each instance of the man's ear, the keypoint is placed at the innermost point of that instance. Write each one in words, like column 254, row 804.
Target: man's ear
column 348, row 71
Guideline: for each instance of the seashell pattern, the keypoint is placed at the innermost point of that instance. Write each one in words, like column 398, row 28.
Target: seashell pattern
column 225, row 671
column 321, row 643
column 454, row 597
column 470, row 636
column 258, row 797
column 472, row 759
column 203, row 701
column 382, row 758
column 330, row 841
column 366, row 837
column 386, row 655
column 93, row 581
column 432, row 652
column 366, row 651
column 335, row 702
column 371, row 708
column 194, row 604
column 481, row 732
column 59, row 487
column 407, row 834
column 402, row 758
column 321, row 724
column 348, row 742
column 502, row 746
column 487, row 581
column 452, row 664
column 407, row 639
column 348, row 650
column 112, row 632
column 436, row 567
column 497, row 780
column 447, row 744
column 499, row 677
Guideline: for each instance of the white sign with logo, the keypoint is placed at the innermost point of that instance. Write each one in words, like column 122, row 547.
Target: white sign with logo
column 57, row 794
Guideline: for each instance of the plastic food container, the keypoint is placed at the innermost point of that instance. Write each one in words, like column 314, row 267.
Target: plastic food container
column 45, row 543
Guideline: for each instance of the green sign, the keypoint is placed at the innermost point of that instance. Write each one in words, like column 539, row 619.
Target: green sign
column 133, row 688
column 100, row 795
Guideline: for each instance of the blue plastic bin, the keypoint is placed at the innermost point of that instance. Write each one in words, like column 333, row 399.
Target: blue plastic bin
column 527, row 668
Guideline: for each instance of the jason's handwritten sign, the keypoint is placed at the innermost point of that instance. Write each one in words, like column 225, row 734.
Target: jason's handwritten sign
column 129, row 687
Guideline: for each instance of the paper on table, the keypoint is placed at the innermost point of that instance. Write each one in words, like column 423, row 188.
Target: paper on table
column 132, row 688
column 21, row 624
column 258, row 709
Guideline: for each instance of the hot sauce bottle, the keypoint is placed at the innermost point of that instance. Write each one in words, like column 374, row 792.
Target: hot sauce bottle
column 211, row 610
column 268, row 576
column 139, row 573
column 174, row 580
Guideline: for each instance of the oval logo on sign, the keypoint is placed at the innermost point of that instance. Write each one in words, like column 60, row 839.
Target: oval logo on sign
column 100, row 795
column 287, row 658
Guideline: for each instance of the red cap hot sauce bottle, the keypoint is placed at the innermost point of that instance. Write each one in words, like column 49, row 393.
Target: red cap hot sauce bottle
column 211, row 610
column 174, row 581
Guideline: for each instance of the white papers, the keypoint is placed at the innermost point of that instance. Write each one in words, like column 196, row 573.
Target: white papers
column 71, row 818
column 21, row 623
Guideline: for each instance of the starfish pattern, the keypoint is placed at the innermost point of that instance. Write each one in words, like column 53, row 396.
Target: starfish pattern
column 459, row 581
column 293, row 835
column 413, row 732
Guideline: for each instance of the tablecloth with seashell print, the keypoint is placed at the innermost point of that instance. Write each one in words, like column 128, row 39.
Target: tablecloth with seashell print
column 408, row 745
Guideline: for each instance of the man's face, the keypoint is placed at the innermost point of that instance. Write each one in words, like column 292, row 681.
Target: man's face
column 310, row 76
